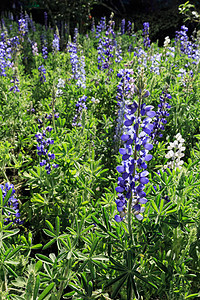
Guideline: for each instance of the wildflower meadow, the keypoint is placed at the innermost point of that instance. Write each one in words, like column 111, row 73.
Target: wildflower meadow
column 99, row 161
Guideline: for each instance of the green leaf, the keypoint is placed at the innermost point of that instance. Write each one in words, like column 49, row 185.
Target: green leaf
column 57, row 226
column 49, row 244
column 85, row 283
column 10, row 233
column 99, row 224
column 9, row 269
column 119, row 286
column 191, row 296
column 111, row 282
column 117, row 266
column 161, row 204
column 14, row 252
column 94, row 245
column 87, row 229
column 37, row 246
column 44, row 258
column 154, row 206
column 50, row 226
column 137, row 274
column 7, row 197
column 38, row 266
column 134, row 286
column 75, row 288
column 114, row 236
column 129, row 288
column 36, row 288
column 49, row 233
column 69, row 295
column 46, row 291
column 105, row 216
column 1, row 198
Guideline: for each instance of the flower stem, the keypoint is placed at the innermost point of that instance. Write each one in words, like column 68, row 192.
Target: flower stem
column 135, row 158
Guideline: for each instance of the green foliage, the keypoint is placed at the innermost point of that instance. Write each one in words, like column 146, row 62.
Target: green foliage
column 70, row 246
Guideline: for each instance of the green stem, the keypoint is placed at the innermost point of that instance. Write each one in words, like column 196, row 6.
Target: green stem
column 4, row 173
column 61, row 287
column 131, row 198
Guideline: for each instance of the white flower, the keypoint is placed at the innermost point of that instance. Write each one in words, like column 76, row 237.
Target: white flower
column 171, row 146
column 167, row 41
column 195, row 14
column 169, row 154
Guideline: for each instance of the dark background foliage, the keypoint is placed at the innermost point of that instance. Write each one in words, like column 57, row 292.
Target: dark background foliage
column 162, row 15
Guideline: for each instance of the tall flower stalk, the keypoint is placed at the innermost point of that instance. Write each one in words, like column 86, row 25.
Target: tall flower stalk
column 135, row 155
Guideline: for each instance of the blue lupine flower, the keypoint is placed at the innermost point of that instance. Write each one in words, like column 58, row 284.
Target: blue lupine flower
column 42, row 72
column 142, row 57
column 75, row 35
column 74, row 59
column 123, row 92
column 146, row 35
column 135, row 155
column 129, row 28
column 82, row 78
column 56, row 43
column 12, row 203
column 44, row 141
column 80, row 105
column 23, row 28
column 15, row 81
column 187, row 47
column 44, row 51
column 155, row 59
column 45, row 19
column 93, row 26
column 123, row 26
column 78, row 66
column 101, row 27
column 160, row 118
column 34, row 49
column 107, row 50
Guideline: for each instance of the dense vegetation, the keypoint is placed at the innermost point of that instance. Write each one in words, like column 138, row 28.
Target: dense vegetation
column 99, row 165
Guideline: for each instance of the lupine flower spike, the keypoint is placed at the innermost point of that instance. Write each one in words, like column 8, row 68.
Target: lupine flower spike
column 12, row 203
column 175, row 153
column 135, row 155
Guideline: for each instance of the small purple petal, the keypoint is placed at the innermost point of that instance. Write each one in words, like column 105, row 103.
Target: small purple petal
column 139, row 217
column 148, row 157
column 148, row 146
column 144, row 180
column 124, row 137
column 122, row 151
column 120, row 169
column 143, row 200
column 118, row 218
column 119, row 189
